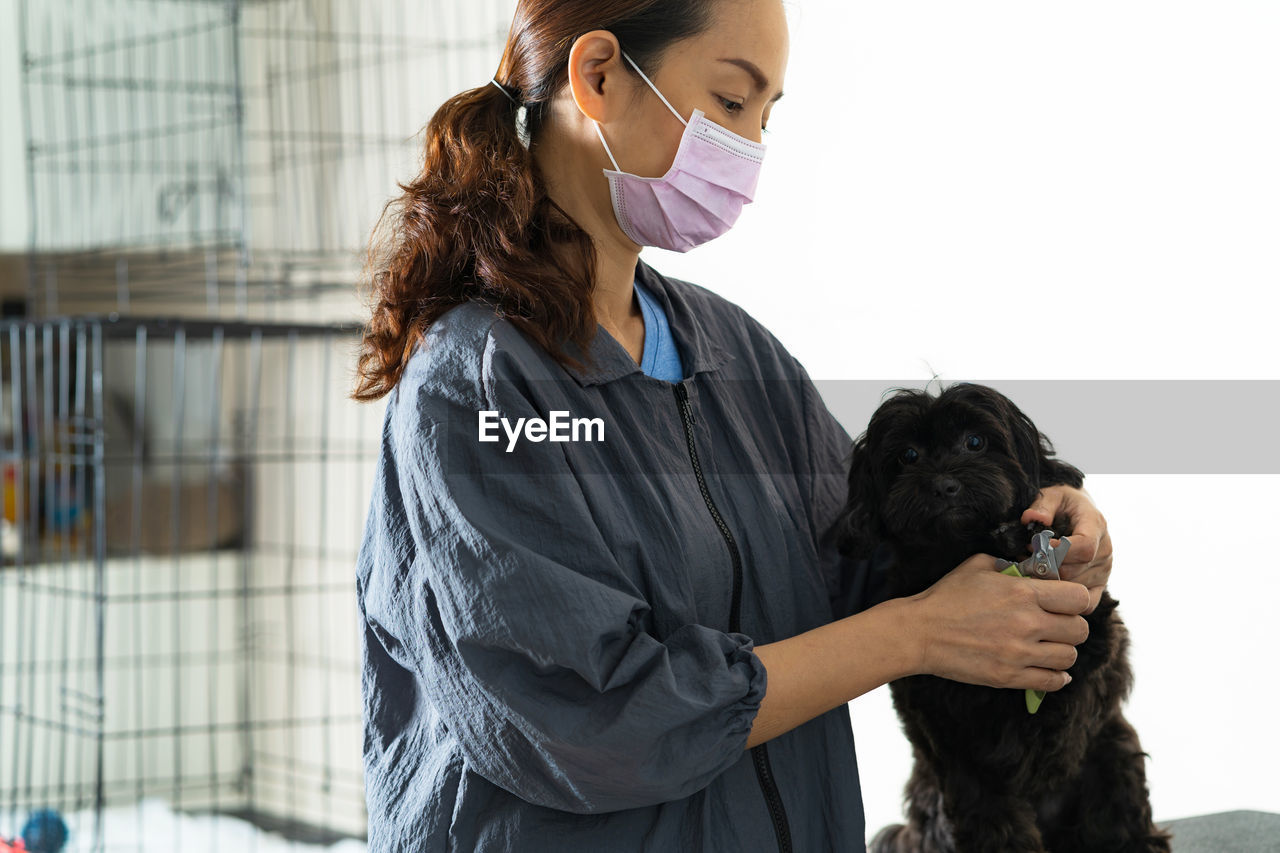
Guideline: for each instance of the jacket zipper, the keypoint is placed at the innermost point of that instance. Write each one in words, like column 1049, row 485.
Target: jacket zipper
column 759, row 753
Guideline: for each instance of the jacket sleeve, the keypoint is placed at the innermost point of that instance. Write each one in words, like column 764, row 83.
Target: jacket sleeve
column 526, row 635
column 853, row 585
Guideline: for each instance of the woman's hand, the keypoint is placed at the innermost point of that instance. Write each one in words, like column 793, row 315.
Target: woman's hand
column 1089, row 557
column 982, row 627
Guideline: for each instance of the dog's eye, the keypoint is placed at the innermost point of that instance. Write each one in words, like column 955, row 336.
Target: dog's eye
column 974, row 442
column 909, row 455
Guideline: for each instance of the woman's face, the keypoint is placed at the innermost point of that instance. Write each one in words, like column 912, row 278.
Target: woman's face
column 732, row 72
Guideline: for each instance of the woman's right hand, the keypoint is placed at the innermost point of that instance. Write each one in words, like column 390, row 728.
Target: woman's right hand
column 982, row 627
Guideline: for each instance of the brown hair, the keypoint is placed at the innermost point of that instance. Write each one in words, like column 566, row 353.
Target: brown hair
column 477, row 223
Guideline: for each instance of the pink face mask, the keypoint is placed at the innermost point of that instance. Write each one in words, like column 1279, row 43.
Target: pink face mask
column 714, row 174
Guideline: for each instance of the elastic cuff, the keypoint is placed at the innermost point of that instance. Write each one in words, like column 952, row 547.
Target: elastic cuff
column 744, row 659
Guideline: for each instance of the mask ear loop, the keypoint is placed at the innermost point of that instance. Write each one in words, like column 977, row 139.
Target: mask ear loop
column 600, row 133
column 654, row 88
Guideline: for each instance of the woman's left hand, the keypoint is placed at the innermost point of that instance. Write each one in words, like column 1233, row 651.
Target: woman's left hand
column 1089, row 557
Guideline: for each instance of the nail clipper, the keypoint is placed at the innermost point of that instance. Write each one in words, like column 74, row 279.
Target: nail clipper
column 1043, row 563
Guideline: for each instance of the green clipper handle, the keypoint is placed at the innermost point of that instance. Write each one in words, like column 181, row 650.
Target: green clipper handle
column 1034, row 697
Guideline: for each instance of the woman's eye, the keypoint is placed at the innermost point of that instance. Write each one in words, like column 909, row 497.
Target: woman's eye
column 909, row 455
column 731, row 106
column 974, row 442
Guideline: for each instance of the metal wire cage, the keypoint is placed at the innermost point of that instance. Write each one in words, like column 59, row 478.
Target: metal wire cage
column 178, row 618
column 185, row 479
column 242, row 148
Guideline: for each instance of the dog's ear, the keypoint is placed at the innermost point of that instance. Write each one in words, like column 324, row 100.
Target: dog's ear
column 1055, row 472
column 857, row 533
column 1036, row 454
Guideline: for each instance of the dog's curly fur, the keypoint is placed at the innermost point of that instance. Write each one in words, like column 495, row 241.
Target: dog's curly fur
column 989, row 777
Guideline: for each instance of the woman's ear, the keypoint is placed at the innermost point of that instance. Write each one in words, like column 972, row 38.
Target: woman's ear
column 858, row 533
column 596, row 65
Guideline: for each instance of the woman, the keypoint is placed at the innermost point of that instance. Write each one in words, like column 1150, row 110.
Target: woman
column 644, row 638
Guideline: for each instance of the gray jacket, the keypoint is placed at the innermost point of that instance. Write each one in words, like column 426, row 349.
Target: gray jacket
column 558, row 635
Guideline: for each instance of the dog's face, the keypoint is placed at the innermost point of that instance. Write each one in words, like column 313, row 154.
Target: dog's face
column 947, row 468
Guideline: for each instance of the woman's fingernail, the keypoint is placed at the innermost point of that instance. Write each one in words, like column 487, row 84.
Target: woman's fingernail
column 1068, row 681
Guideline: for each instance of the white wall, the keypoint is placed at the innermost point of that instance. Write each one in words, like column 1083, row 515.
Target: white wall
column 1001, row 190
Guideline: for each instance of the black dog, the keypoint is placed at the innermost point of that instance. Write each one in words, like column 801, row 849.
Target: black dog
column 939, row 479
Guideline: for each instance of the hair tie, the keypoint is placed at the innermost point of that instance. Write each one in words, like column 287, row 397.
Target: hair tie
column 501, row 89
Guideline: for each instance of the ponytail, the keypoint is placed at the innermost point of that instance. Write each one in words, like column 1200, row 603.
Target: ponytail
column 473, row 225
column 477, row 223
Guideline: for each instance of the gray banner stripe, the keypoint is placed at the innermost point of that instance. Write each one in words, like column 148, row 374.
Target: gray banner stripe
column 1121, row 426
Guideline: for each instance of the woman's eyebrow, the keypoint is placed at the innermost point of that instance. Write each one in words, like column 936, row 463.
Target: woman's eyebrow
column 761, row 81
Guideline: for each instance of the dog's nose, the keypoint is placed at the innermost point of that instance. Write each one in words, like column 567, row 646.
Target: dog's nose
column 946, row 487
